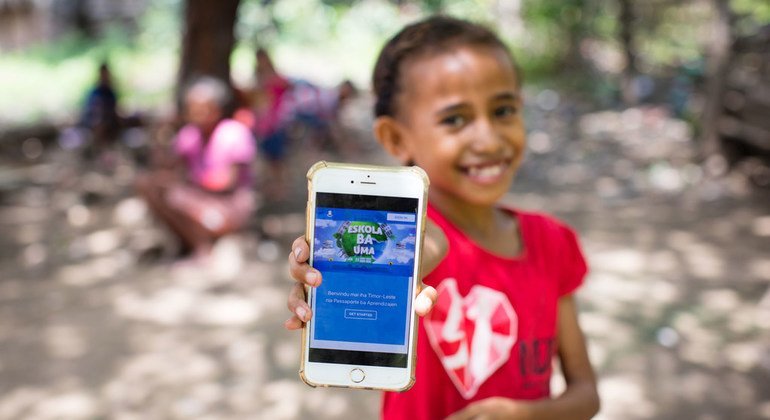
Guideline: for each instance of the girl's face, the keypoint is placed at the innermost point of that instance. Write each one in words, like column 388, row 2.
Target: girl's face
column 460, row 119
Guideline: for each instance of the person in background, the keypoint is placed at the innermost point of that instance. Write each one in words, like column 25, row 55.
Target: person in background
column 204, row 191
column 282, row 110
column 271, row 114
column 317, row 110
column 100, row 111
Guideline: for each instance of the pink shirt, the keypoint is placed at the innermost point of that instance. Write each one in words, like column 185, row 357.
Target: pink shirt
column 231, row 143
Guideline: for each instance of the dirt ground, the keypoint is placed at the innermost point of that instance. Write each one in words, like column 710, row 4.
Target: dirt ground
column 98, row 321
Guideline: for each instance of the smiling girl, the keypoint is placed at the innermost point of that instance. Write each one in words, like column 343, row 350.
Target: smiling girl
column 498, row 305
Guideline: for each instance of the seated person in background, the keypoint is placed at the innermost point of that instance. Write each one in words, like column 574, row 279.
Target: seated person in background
column 215, row 195
column 100, row 110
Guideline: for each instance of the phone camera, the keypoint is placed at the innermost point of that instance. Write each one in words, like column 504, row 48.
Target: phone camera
column 351, row 181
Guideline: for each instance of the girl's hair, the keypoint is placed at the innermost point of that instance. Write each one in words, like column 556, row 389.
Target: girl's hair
column 434, row 35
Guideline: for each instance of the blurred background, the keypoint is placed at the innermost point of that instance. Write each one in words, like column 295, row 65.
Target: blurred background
column 648, row 130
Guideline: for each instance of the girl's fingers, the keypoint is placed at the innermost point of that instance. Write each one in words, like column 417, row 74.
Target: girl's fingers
column 300, row 249
column 424, row 301
column 297, row 304
column 299, row 269
column 293, row 323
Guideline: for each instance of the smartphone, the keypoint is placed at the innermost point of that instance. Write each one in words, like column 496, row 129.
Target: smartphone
column 365, row 227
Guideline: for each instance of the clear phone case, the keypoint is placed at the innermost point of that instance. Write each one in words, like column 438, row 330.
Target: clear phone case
column 319, row 166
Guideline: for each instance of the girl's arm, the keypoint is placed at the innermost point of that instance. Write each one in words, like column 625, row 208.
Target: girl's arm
column 579, row 401
column 434, row 248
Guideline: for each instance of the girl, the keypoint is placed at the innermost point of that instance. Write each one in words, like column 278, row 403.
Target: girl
column 449, row 101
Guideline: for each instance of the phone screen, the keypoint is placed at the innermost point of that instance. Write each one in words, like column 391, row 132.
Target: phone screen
column 365, row 248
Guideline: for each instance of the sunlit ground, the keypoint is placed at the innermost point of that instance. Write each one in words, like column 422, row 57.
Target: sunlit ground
column 96, row 321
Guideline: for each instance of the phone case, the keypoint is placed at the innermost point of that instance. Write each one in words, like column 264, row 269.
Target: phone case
column 320, row 165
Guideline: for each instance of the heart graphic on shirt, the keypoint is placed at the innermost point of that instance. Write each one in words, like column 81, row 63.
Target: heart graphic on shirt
column 472, row 335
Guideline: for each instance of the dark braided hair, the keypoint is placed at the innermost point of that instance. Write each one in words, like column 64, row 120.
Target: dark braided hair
column 433, row 35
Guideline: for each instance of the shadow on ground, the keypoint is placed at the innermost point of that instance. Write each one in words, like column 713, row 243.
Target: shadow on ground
column 97, row 321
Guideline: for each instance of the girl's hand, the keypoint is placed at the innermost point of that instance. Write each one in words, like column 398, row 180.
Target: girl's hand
column 494, row 408
column 304, row 274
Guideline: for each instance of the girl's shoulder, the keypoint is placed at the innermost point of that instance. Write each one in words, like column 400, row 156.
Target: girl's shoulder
column 555, row 244
column 536, row 220
column 538, row 231
column 544, row 233
column 435, row 247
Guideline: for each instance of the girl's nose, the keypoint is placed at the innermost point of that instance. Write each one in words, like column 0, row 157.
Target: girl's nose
column 485, row 138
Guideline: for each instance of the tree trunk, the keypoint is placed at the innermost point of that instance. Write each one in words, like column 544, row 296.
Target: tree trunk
column 717, row 69
column 626, row 20
column 208, row 40
column 573, row 19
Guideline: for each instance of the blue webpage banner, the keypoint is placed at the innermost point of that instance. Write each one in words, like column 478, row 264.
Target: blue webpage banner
column 367, row 261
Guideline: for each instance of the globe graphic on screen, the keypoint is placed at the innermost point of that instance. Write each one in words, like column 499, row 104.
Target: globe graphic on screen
column 348, row 240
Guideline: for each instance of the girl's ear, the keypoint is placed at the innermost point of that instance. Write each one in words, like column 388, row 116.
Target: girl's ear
column 390, row 135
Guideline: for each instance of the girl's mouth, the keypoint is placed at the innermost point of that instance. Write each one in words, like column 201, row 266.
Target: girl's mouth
column 487, row 173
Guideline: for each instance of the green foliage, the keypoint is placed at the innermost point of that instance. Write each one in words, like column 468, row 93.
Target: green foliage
column 757, row 10
column 50, row 81
column 315, row 40
column 161, row 25
column 327, row 40
column 751, row 15
column 569, row 42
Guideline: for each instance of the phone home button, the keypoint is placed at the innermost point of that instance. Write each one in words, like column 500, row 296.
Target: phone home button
column 357, row 375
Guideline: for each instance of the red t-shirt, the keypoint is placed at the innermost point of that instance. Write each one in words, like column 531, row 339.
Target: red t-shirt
column 492, row 332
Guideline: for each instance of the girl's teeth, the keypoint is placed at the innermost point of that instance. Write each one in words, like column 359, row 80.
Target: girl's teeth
column 486, row 171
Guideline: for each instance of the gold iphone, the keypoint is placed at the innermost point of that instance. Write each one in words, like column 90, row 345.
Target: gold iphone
column 365, row 227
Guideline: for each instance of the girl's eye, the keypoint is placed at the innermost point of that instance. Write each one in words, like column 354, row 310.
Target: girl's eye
column 453, row 121
column 505, row 111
